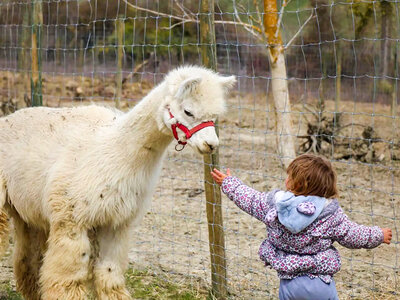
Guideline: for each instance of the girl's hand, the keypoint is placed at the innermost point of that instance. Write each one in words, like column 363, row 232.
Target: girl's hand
column 219, row 176
column 387, row 235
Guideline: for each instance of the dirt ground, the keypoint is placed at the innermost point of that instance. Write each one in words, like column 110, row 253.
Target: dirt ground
column 173, row 237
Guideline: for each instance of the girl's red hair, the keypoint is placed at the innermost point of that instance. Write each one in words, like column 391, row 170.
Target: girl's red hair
column 312, row 175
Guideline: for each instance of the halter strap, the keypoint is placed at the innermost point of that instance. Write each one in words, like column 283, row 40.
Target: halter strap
column 188, row 132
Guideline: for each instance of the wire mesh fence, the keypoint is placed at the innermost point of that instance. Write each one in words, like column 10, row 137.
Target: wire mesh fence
column 342, row 72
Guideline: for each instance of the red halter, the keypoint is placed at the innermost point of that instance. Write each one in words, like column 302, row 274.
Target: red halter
column 188, row 132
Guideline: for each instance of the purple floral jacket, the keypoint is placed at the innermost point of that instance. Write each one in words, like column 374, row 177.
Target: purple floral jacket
column 309, row 252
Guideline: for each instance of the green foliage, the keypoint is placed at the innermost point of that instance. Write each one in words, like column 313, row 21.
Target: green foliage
column 363, row 13
column 8, row 293
column 385, row 86
column 160, row 35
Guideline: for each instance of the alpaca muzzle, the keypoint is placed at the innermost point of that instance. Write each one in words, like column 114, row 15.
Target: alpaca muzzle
column 188, row 132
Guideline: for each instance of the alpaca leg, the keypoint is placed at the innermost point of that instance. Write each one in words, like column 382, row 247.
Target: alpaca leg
column 65, row 271
column 29, row 247
column 3, row 219
column 112, row 263
column 3, row 232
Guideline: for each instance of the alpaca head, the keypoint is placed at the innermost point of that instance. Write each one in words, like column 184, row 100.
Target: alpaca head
column 196, row 98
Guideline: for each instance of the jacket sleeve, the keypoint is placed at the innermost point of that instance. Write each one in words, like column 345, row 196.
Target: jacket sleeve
column 246, row 198
column 355, row 236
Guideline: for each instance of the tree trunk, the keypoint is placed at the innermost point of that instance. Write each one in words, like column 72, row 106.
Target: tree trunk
column 280, row 90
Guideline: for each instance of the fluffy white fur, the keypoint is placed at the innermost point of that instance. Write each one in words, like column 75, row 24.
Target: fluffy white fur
column 75, row 180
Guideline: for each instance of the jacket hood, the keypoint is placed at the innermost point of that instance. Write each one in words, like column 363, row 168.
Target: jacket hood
column 297, row 212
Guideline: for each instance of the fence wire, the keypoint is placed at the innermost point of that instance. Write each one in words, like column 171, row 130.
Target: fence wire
column 342, row 61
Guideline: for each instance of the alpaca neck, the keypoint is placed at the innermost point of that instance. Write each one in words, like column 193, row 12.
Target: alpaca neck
column 141, row 130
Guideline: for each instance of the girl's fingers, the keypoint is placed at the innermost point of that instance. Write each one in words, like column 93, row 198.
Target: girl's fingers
column 387, row 235
column 215, row 176
column 219, row 176
column 228, row 172
column 213, row 173
column 218, row 172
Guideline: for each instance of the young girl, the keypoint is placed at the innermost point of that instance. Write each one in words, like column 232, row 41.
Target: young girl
column 302, row 224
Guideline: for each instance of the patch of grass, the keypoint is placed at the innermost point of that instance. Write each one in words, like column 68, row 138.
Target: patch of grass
column 146, row 285
column 142, row 285
column 7, row 292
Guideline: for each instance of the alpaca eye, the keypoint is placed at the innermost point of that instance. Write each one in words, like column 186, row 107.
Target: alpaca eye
column 188, row 113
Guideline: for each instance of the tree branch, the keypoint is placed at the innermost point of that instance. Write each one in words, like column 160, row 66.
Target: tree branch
column 284, row 4
column 300, row 29
column 249, row 27
column 177, row 24
column 185, row 11
column 155, row 12
column 252, row 27
column 251, row 18
column 255, row 3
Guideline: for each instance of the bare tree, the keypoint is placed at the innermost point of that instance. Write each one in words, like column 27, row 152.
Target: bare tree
column 280, row 90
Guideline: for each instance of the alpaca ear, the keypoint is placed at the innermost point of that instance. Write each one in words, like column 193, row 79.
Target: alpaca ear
column 228, row 82
column 187, row 87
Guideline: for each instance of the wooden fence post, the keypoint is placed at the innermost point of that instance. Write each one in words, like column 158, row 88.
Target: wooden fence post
column 95, row 52
column 24, row 42
column 393, row 106
column 81, row 56
column 36, row 63
column 213, row 193
column 338, row 81
column 23, row 61
column 120, row 56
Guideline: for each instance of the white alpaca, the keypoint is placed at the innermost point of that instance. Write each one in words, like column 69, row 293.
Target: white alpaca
column 75, row 180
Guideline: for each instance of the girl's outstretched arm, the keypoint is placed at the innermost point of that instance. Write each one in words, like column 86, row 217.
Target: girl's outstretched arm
column 355, row 236
column 248, row 199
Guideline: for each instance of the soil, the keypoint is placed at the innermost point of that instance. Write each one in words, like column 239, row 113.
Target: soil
column 173, row 237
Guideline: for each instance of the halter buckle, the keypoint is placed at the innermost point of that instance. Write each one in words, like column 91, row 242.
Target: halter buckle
column 179, row 147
